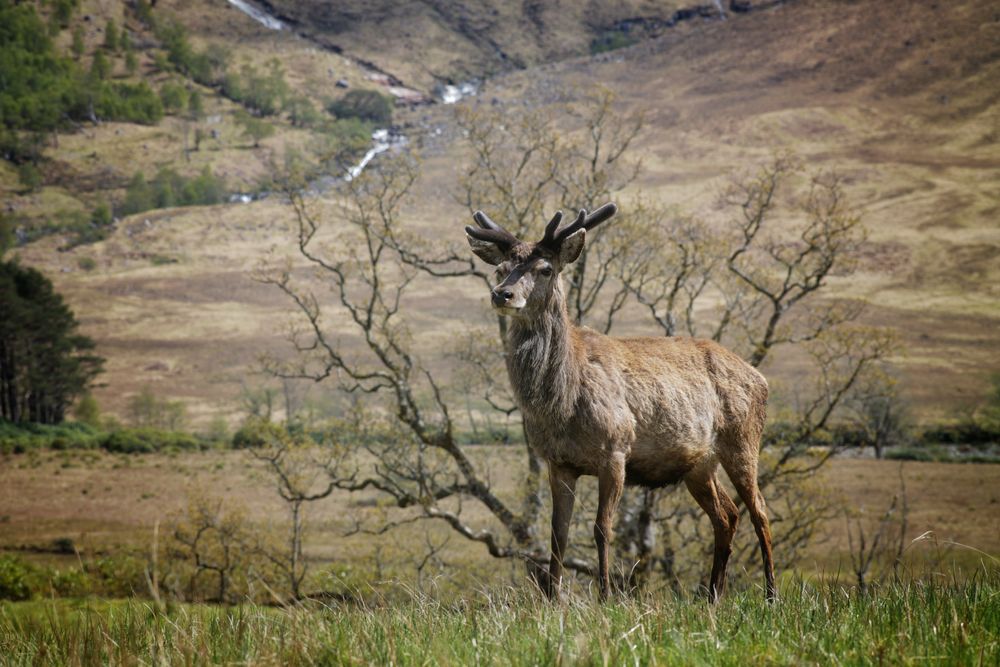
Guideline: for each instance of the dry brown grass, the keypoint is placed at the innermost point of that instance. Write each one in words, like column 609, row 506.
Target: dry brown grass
column 105, row 502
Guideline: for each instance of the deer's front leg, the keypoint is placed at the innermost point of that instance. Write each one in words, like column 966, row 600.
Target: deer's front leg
column 563, row 485
column 610, row 483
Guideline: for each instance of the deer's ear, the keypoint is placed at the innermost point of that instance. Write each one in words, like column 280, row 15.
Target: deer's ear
column 571, row 247
column 486, row 251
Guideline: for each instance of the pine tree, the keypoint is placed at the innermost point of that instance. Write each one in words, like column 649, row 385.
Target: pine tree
column 77, row 45
column 111, row 36
column 44, row 363
column 100, row 68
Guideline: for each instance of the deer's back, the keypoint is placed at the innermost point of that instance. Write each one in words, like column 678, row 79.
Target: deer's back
column 682, row 374
column 671, row 402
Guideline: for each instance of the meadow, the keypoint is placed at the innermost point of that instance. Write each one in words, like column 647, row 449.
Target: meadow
column 896, row 102
column 91, row 510
column 941, row 621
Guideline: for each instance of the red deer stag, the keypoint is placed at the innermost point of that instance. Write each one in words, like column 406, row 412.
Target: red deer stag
column 644, row 411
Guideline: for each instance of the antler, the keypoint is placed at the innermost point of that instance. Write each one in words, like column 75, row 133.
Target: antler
column 490, row 231
column 583, row 221
column 550, row 229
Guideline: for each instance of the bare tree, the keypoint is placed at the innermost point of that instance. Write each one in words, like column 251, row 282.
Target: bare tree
column 523, row 165
column 878, row 543
column 303, row 473
column 752, row 281
column 211, row 537
column 756, row 280
column 670, row 263
column 879, row 413
column 419, row 461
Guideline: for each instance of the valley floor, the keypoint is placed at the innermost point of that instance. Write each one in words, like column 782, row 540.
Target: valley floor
column 104, row 503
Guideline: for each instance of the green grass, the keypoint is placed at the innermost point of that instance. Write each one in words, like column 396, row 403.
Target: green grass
column 930, row 621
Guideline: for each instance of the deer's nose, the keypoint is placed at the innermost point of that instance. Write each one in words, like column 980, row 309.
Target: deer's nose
column 502, row 296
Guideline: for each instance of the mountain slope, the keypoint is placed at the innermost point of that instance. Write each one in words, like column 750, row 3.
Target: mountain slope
column 900, row 98
column 428, row 41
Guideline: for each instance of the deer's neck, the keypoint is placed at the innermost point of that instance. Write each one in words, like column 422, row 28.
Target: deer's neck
column 544, row 372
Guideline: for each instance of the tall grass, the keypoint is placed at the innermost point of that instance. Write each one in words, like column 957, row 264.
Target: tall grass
column 944, row 622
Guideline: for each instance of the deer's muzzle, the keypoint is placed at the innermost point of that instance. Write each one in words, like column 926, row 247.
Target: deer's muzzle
column 501, row 296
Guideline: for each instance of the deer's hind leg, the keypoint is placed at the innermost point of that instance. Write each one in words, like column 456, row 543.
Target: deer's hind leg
column 742, row 470
column 712, row 497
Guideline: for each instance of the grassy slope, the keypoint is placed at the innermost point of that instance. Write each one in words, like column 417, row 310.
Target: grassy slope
column 900, row 624
column 896, row 97
column 95, row 163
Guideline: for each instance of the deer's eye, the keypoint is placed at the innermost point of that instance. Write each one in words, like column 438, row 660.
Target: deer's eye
column 546, row 271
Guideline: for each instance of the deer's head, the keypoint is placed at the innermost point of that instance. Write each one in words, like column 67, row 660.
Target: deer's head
column 528, row 273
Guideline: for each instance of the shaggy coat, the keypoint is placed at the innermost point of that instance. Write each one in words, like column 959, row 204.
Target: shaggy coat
column 668, row 405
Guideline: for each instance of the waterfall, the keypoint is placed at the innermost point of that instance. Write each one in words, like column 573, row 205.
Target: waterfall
column 258, row 15
column 383, row 140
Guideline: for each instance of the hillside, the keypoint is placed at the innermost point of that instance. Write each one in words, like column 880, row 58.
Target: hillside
column 459, row 40
column 900, row 98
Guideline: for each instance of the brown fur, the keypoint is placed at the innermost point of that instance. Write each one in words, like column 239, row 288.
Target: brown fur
column 644, row 411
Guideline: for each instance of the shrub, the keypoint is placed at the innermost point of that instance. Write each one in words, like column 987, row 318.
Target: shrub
column 367, row 105
column 917, row 454
column 101, row 215
column 964, row 433
column 610, row 41
column 87, row 411
column 131, row 62
column 254, row 128
column 144, row 12
column 83, row 232
column 257, row 433
column 174, row 97
column 131, row 102
column 138, row 195
column 20, row 438
column 111, row 39
column 77, row 46
column 17, row 579
column 63, row 545
column 264, row 93
column 301, row 111
column 196, row 105
column 162, row 260
column 149, row 440
column 7, row 236
column 38, row 85
column 218, row 431
column 30, row 176
column 72, row 583
column 168, row 188
column 19, row 148
column 204, row 189
column 100, row 67
column 121, row 575
column 62, row 12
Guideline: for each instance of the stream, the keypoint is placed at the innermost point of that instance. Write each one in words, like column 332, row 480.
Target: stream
column 383, row 139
